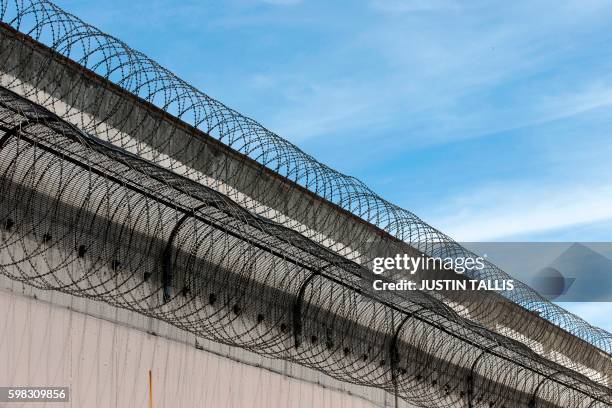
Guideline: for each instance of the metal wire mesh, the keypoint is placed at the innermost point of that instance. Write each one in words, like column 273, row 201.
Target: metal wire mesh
column 81, row 216
column 101, row 113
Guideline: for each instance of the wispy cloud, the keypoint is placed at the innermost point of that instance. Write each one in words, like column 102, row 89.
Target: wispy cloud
column 457, row 73
column 319, row 107
column 403, row 6
column 281, row 2
column 594, row 94
column 596, row 313
column 505, row 211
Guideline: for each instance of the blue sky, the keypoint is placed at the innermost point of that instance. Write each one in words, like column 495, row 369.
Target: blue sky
column 489, row 121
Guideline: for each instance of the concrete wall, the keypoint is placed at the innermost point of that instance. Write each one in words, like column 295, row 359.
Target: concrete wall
column 25, row 256
column 106, row 364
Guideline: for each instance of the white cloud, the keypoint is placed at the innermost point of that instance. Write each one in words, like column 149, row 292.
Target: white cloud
column 282, row 2
column 499, row 211
column 403, row 6
column 312, row 108
column 569, row 102
column 596, row 313
column 423, row 70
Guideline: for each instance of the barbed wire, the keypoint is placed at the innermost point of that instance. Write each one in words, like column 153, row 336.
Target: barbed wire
column 100, row 112
column 84, row 217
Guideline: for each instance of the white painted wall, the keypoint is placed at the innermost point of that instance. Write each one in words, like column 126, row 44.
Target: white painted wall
column 106, row 365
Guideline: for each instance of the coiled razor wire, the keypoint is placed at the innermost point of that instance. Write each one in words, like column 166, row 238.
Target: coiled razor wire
column 79, row 89
column 81, row 216
column 134, row 72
